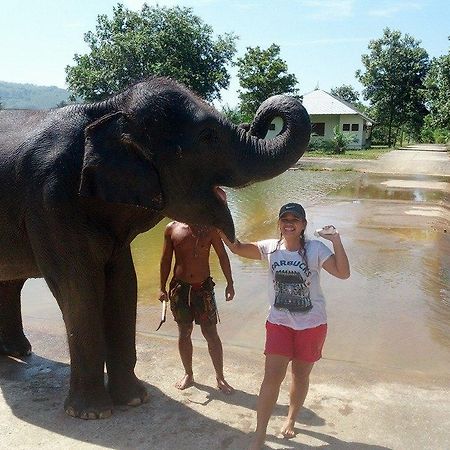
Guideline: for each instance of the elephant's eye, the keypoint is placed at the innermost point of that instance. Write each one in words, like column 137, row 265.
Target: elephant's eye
column 208, row 135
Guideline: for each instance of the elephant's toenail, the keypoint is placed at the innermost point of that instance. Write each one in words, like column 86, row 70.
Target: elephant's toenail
column 71, row 412
column 105, row 414
column 134, row 402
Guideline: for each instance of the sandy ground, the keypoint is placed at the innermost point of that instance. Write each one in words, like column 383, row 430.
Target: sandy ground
column 348, row 406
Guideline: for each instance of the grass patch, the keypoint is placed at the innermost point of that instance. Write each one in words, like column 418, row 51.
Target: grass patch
column 370, row 153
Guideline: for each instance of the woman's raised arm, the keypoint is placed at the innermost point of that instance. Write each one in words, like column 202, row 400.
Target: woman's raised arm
column 246, row 249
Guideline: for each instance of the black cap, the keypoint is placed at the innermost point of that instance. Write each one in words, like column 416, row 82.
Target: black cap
column 294, row 208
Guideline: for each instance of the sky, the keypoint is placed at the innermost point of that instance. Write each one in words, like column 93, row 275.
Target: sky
column 321, row 41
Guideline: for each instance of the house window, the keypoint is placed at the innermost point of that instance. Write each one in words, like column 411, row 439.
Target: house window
column 346, row 127
column 318, row 129
column 355, row 126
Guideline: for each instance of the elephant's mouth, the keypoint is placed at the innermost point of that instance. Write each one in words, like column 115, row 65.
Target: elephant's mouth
column 206, row 205
column 220, row 194
column 223, row 219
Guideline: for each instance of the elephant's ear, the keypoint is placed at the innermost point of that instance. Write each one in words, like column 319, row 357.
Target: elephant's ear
column 114, row 167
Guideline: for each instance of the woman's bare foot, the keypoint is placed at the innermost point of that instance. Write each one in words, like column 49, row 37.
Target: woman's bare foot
column 224, row 386
column 287, row 430
column 185, row 382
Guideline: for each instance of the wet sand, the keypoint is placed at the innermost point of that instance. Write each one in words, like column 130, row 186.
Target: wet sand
column 381, row 397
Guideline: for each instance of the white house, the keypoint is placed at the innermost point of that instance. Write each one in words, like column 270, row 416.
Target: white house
column 326, row 111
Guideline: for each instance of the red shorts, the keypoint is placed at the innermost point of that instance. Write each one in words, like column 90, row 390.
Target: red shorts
column 305, row 345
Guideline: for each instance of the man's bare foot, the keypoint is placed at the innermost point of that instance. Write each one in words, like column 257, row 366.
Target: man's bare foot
column 287, row 430
column 224, row 386
column 185, row 382
column 258, row 442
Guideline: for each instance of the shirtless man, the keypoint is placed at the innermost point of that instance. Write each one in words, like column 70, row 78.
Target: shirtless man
column 191, row 292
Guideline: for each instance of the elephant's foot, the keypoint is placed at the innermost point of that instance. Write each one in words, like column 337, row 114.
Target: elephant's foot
column 89, row 406
column 14, row 345
column 129, row 393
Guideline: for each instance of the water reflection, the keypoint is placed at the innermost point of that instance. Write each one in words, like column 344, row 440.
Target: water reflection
column 394, row 310
column 437, row 285
column 414, row 189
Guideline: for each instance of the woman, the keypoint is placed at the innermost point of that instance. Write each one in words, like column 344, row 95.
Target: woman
column 296, row 326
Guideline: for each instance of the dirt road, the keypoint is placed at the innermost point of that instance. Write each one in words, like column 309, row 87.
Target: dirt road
column 419, row 159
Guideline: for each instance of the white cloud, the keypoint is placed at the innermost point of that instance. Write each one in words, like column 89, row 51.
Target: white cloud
column 327, row 9
column 137, row 4
column 391, row 9
column 74, row 25
column 325, row 41
column 247, row 6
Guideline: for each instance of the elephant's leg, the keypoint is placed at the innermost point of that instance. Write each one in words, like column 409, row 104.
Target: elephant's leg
column 120, row 331
column 80, row 294
column 75, row 275
column 12, row 340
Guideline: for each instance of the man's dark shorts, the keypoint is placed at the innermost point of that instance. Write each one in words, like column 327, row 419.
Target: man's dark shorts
column 190, row 302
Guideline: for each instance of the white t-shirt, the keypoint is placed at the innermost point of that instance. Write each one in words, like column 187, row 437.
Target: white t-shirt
column 288, row 267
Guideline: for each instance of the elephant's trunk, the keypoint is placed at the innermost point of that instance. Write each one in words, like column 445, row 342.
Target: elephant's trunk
column 258, row 158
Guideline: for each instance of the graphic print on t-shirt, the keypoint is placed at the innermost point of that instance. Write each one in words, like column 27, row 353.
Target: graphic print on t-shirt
column 291, row 291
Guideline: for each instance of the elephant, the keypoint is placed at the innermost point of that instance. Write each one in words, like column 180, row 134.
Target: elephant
column 79, row 183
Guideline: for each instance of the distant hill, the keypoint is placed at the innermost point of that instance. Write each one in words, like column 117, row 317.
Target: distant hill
column 30, row 96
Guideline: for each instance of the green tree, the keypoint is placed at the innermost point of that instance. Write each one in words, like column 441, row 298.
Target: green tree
column 261, row 74
column 233, row 114
column 350, row 95
column 160, row 41
column 437, row 85
column 1, row 104
column 393, row 79
column 346, row 92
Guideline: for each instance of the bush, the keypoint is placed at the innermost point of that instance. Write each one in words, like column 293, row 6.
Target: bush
column 337, row 145
column 315, row 144
column 434, row 135
column 321, row 145
column 340, row 140
column 431, row 133
column 426, row 135
column 441, row 136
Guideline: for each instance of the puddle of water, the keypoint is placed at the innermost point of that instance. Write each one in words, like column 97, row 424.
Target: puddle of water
column 415, row 189
column 428, row 211
column 394, row 310
column 417, row 184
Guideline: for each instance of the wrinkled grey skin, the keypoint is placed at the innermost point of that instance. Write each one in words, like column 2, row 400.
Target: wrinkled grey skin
column 77, row 184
